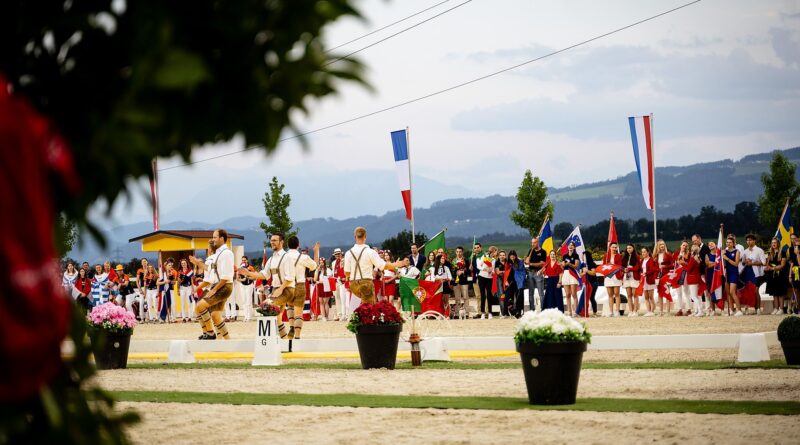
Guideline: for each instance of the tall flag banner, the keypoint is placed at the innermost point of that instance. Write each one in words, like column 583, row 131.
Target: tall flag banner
column 403, row 166
column 642, row 138
column 546, row 237
column 435, row 243
column 785, row 228
column 264, row 259
column 154, row 193
column 585, row 294
column 612, row 238
column 718, row 279
column 576, row 238
column 421, row 296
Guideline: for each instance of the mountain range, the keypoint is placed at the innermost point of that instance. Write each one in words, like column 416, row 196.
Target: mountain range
column 679, row 191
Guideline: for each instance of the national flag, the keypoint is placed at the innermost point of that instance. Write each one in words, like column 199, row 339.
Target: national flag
column 642, row 139
column 574, row 237
column 403, row 166
column 718, row 279
column 154, row 193
column 546, row 237
column 435, row 243
column 785, row 229
column 584, row 296
column 608, row 270
column 612, row 238
column 421, row 296
column 307, row 302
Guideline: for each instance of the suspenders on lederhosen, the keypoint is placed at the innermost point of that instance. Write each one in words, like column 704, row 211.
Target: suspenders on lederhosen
column 361, row 287
column 277, row 270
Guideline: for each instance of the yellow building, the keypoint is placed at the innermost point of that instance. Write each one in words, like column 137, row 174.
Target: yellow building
column 178, row 244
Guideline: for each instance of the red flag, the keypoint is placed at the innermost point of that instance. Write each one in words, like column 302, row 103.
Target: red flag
column 608, row 270
column 612, row 238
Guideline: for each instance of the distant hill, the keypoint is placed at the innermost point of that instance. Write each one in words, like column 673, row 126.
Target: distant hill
column 679, row 191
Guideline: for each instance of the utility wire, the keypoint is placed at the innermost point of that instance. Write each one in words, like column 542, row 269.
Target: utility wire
column 451, row 88
column 384, row 27
column 330, row 62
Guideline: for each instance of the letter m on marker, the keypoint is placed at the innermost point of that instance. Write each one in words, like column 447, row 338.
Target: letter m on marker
column 264, row 328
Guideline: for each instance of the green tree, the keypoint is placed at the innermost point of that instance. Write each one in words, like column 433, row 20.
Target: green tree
column 532, row 204
column 276, row 207
column 780, row 183
column 400, row 244
column 66, row 234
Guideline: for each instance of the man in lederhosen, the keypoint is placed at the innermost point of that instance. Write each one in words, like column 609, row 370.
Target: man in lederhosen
column 360, row 261
column 221, row 270
column 281, row 269
column 301, row 262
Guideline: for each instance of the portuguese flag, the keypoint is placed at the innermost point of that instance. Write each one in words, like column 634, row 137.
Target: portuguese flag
column 421, row 295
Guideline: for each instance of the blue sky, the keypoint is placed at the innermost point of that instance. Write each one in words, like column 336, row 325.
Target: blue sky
column 722, row 79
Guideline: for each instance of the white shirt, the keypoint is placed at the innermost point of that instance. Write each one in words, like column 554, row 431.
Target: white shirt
column 300, row 262
column 485, row 271
column 740, row 248
column 369, row 259
column 756, row 255
column 282, row 274
column 224, row 263
column 444, row 273
column 412, row 272
column 209, row 276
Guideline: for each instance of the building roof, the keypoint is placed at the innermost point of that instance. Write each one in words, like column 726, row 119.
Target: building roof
column 185, row 234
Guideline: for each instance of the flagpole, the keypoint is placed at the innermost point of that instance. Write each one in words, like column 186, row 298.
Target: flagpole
column 653, row 175
column 154, row 195
column 546, row 218
column 410, row 187
column 780, row 221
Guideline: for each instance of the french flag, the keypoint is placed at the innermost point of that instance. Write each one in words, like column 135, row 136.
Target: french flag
column 642, row 138
column 401, row 162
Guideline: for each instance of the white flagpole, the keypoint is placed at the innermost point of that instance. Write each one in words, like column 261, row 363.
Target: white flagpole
column 410, row 188
column 653, row 175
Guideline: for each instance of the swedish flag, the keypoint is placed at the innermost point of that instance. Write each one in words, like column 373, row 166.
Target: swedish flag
column 546, row 238
column 785, row 228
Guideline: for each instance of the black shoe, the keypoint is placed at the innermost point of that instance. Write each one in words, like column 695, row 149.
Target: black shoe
column 207, row 336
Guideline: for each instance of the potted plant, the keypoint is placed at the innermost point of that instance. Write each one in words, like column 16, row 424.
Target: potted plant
column 551, row 346
column 267, row 309
column 789, row 336
column 110, row 328
column 377, row 328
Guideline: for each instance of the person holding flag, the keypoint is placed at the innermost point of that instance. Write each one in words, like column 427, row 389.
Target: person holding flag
column 648, row 275
column 631, row 277
column 570, row 280
column 776, row 278
column 664, row 261
column 753, row 259
column 731, row 258
column 711, row 269
column 613, row 280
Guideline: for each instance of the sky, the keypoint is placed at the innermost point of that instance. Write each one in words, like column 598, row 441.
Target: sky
column 721, row 78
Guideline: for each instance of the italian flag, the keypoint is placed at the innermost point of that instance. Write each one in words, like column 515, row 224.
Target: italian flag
column 421, row 296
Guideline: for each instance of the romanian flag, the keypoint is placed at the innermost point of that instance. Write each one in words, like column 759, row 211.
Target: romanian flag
column 785, row 228
column 422, row 296
column 546, row 237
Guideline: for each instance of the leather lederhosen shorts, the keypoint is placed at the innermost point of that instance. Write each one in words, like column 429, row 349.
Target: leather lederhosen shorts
column 216, row 302
column 363, row 289
column 292, row 296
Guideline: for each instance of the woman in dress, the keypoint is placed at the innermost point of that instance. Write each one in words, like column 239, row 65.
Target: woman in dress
column 514, row 281
column 649, row 273
column 553, row 296
column 711, row 262
column 665, row 265
column 83, row 289
column 68, row 280
column 614, row 282
column 630, row 278
column 571, row 264
column 388, row 281
column 443, row 275
column 731, row 259
column 684, row 298
column 321, row 282
column 775, row 275
column 691, row 284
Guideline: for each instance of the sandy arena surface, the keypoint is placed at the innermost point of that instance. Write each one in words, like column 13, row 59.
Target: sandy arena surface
column 496, row 327
column 174, row 423
column 725, row 384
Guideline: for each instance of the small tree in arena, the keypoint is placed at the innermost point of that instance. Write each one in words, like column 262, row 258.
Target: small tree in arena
column 532, row 204
column 779, row 183
column 276, row 207
column 400, row 244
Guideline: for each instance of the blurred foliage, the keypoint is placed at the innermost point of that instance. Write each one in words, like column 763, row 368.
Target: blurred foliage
column 400, row 244
column 126, row 82
column 66, row 234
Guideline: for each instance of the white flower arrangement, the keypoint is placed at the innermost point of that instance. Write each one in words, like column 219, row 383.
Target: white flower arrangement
column 550, row 326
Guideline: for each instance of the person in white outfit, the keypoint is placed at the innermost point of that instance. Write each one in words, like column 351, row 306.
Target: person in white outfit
column 186, row 305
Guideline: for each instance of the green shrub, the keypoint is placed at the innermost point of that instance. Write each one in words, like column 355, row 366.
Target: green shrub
column 789, row 329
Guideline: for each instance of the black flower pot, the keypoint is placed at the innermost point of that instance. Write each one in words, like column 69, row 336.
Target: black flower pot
column 110, row 350
column 377, row 345
column 791, row 350
column 552, row 371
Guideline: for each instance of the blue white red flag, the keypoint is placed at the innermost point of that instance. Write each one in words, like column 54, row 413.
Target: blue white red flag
column 401, row 162
column 642, row 138
column 574, row 237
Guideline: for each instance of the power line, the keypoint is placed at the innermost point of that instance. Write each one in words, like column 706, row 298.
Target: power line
column 395, row 34
column 451, row 88
column 384, row 27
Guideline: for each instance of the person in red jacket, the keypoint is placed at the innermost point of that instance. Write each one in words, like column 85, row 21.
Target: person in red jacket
column 680, row 258
column 665, row 265
column 613, row 283
column 631, row 276
column 83, row 287
column 692, row 283
column 650, row 270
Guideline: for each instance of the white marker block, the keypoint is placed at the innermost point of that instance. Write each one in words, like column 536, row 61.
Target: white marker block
column 752, row 348
column 434, row 348
column 266, row 349
column 179, row 352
